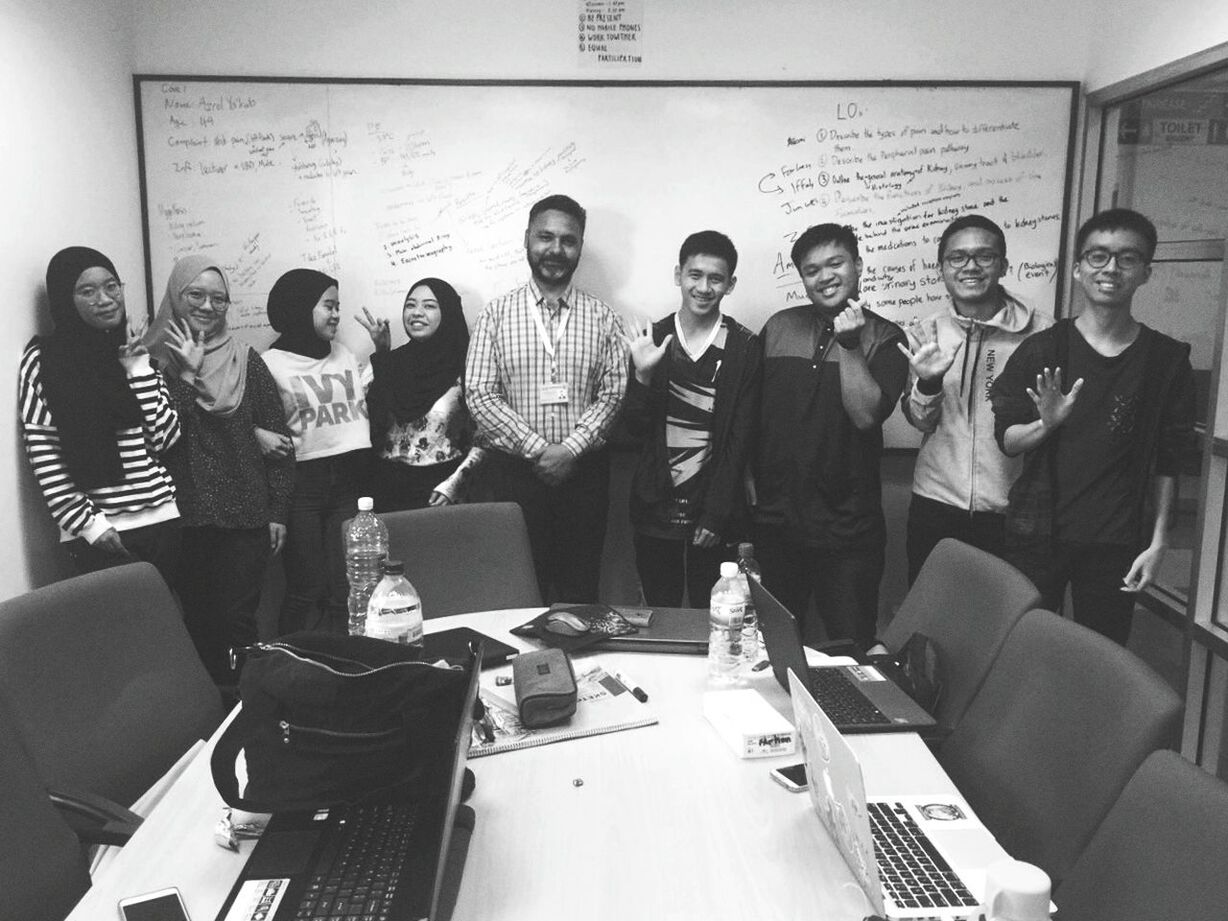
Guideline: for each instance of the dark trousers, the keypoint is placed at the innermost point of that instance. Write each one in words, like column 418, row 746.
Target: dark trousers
column 220, row 577
column 843, row 583
column 398, row 486
column 930, row 521
column 325, row 495
column 667, row 566
column 1094, row 573
column 158, row 544
column 566, row 522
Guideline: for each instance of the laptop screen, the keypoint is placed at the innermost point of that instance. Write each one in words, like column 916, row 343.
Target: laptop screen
column 780, row 635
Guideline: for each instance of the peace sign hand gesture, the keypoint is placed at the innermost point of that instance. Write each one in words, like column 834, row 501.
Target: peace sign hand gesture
column 187, row 347
column 135, row 346
column 379, row 330
column 645, row 354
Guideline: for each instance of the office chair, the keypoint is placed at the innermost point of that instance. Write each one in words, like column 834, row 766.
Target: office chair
column 43, row 869
column 465, row 558
column 102, row 682
column 966, row 601
column 1160, row 853
column 1062, row 721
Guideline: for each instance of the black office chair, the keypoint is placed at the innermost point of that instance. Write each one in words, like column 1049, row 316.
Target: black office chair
column 43, row 870
column 966, row 601
column 1064, row 718
column 1161, row 852
column 465, row 558
column 102, row 681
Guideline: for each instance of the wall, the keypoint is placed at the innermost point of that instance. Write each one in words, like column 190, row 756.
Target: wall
column 70, row 176
column 70, row 144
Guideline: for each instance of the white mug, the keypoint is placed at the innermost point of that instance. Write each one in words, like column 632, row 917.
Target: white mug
column 1016, row 891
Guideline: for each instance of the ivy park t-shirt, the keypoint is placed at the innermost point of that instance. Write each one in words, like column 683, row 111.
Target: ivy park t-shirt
column 324, row 399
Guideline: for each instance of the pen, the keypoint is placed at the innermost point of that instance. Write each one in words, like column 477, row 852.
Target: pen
column 636, row 691
column 488, row 729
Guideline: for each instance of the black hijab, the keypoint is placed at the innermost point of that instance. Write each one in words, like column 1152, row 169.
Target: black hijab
column 83, row 382
column 293, row 298
column 408, row 380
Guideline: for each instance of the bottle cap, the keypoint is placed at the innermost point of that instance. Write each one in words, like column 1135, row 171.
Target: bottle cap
column 393, row 567
column 729, row 570
column 365, row 504
column 746, row 550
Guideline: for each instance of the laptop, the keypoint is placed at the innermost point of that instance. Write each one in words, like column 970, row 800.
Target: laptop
column 679, row 630
column 914, row 857
column 857, row 698
column 406, row 853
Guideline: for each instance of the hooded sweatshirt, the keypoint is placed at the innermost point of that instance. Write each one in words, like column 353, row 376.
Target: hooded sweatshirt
column 960, row 463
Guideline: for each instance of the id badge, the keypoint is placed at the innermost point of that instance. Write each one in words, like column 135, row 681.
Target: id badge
column 552, row 394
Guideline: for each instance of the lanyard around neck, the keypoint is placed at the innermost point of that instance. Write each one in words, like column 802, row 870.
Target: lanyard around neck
column 551, row 346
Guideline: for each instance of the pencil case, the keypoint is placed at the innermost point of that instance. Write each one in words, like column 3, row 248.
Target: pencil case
column 545, row 687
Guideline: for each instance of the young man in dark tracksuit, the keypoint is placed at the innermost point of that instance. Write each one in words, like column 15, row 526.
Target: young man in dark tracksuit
column 693, row 398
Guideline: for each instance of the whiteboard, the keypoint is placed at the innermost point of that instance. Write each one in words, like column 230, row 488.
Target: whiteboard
column 381, row 183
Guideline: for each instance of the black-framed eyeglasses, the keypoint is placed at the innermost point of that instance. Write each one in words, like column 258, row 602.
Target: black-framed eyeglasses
column 984, row 258
column 196, row 297
column 92, row 294
column 1126, row 258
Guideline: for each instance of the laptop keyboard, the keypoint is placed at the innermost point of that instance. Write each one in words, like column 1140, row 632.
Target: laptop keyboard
column 360, row 872
column 914, row 874
column 840, row 699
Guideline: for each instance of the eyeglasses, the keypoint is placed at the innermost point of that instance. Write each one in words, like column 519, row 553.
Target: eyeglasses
column 984, row 258
column 1126, row 258
column 92, row 294
column 196, row 297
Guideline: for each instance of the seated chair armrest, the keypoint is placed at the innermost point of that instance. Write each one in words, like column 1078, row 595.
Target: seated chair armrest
column 95, row 819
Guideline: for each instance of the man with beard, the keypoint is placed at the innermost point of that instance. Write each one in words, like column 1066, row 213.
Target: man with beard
column 1091, row 507
column 544, row 380
column 832, row 373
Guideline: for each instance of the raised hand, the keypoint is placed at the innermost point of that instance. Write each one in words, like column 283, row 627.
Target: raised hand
column 848, row 324
column 1053, row 405
column 135, row 347
column 187, row 347
column 928, row 360
column 645, row 354
column 379, row 330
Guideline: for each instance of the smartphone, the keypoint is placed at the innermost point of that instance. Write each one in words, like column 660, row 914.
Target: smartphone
column 163, row 905
column 792, row 778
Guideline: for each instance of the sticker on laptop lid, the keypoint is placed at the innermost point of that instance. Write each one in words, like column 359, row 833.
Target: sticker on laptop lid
column 257, row 900
column 866, row 673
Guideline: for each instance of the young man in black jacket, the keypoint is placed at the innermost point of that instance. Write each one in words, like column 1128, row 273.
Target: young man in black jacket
column 692, row 398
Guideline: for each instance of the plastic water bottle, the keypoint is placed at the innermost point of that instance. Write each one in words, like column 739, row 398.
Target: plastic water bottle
column 395, row 610
column 725, row 627
column 366, row 547
column 749, row 569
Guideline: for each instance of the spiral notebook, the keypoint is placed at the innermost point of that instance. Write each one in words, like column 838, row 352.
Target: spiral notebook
column 603, row 704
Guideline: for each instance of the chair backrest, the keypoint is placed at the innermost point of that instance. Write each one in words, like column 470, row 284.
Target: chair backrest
column 102, row 681
column 1162, row 852
column 465, row 558
column 1063, row 719
column 42, row 867
column 966, row 601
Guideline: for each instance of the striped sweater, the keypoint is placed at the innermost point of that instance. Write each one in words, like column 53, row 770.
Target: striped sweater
column 146, row 495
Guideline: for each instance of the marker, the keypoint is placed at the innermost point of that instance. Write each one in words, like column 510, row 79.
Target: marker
column 636, row 691
column 488, row 727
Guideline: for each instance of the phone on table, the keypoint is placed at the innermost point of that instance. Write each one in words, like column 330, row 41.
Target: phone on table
column 163, row 905
column 792, row 778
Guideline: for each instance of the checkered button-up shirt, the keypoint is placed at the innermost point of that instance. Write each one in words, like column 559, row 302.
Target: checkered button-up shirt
column 508, row 365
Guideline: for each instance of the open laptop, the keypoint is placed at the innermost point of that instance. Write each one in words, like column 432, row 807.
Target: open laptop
column 914, row 856
column 412, row 850
column 857, row 698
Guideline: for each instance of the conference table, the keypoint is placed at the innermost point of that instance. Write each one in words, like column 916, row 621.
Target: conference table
column 658, row 822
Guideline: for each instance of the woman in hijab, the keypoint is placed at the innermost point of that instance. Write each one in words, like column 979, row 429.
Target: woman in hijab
column 234, row 501
column 96, row 420
column 421, row 431
column 321, row 387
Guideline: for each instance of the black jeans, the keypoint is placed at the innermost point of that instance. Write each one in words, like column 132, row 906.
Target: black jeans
column 1094, row 573
column 325, row 495
column 566, row 522
column 667, row 566
column 844, row 585
column 221, row 574
column 930, row 521
column 158, row 544
column 399, row 486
